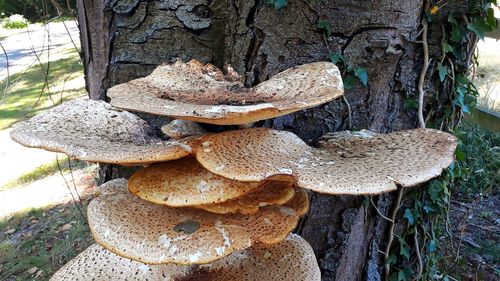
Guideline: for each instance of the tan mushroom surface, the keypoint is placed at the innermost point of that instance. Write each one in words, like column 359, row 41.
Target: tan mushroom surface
column 271, row 193
column 185, row 182
column 155, row 234
column 111, row 187
column 291, row 259
column 94, row 131
column 203, row 93
column 182, row 128
column 347, row 163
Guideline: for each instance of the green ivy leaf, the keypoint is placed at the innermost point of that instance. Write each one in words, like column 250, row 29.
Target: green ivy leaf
column 349, row 82
column 431, row 246
column 456, row 34
column 392, row 259
column 409, row 216
column 443, row 71
column 410, row 103
column 447, row 48
column 479, row 28
column 452, row 20
column 325, row 25
column 336, row 58
column 404, row 275
column 428, row 209
column 404, row 249
column 362, row 75
column 278, row 4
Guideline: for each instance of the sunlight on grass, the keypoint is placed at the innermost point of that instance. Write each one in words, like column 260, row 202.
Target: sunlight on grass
column 24, row 96
column 44, row 171
column 488, row 74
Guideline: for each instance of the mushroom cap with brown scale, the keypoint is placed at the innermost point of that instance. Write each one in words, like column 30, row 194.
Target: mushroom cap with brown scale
column 348, row 163
column 271, row 193
column 93, row 131
column 185, row 182
column 155, row 234
column 202, row 93
column 291, row 259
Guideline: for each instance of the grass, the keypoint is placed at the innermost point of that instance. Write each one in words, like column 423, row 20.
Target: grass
column 473, row 210
column 24, row 97
column 43, row 171
column 35, row 244
column 481, row 168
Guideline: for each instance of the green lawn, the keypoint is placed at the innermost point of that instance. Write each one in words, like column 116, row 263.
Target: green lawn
column 24, row 97
column 35, row 244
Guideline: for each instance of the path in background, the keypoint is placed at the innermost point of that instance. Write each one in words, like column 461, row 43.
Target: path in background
column 488, row 74
column 20, row 45
column 16, row 160
column 46, row 192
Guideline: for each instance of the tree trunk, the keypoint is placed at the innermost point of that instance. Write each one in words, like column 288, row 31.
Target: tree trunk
column 124, row 40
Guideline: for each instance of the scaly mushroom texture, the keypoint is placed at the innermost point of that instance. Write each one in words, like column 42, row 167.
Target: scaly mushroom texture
column 347, row 163
column 155, row 234
column 185, row 182
column 291, row 259
column 271, row 193
column 203, row 93
column 94, row 131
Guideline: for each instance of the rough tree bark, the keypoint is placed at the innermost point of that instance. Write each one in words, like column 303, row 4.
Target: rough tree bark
column 123, row 40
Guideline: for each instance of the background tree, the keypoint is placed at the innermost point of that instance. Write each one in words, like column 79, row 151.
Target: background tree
column 381, row 47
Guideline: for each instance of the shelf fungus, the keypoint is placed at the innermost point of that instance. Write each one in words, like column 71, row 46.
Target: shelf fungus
column 271, row 193
column 94, row 131
column 203, row 93
column 185, row 182
column 345, row 163
column 219, row 206
column 291, row 259
column 155, row 234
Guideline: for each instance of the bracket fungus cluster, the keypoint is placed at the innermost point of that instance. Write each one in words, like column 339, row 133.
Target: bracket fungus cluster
column 219, row 206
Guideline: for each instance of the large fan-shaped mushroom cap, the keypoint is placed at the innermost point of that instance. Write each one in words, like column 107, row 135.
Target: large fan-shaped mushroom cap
column 155, row 234
column 291, row 259
column 348, row 163
column 271, row 193
column 185, row 182
column 202, row 93
column 93, row 131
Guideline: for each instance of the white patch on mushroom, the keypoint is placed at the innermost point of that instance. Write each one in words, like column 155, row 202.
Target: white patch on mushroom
column 144, row 268
column 206, row 146
column 202, row 186
column 225, row 235
column 195, row 257
column 220, row 250
column 286, row 171
column 287, row 211
column 220, row 168
column 183, row 145
column 238, row 109
column 164, row 241
column 172, row 250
